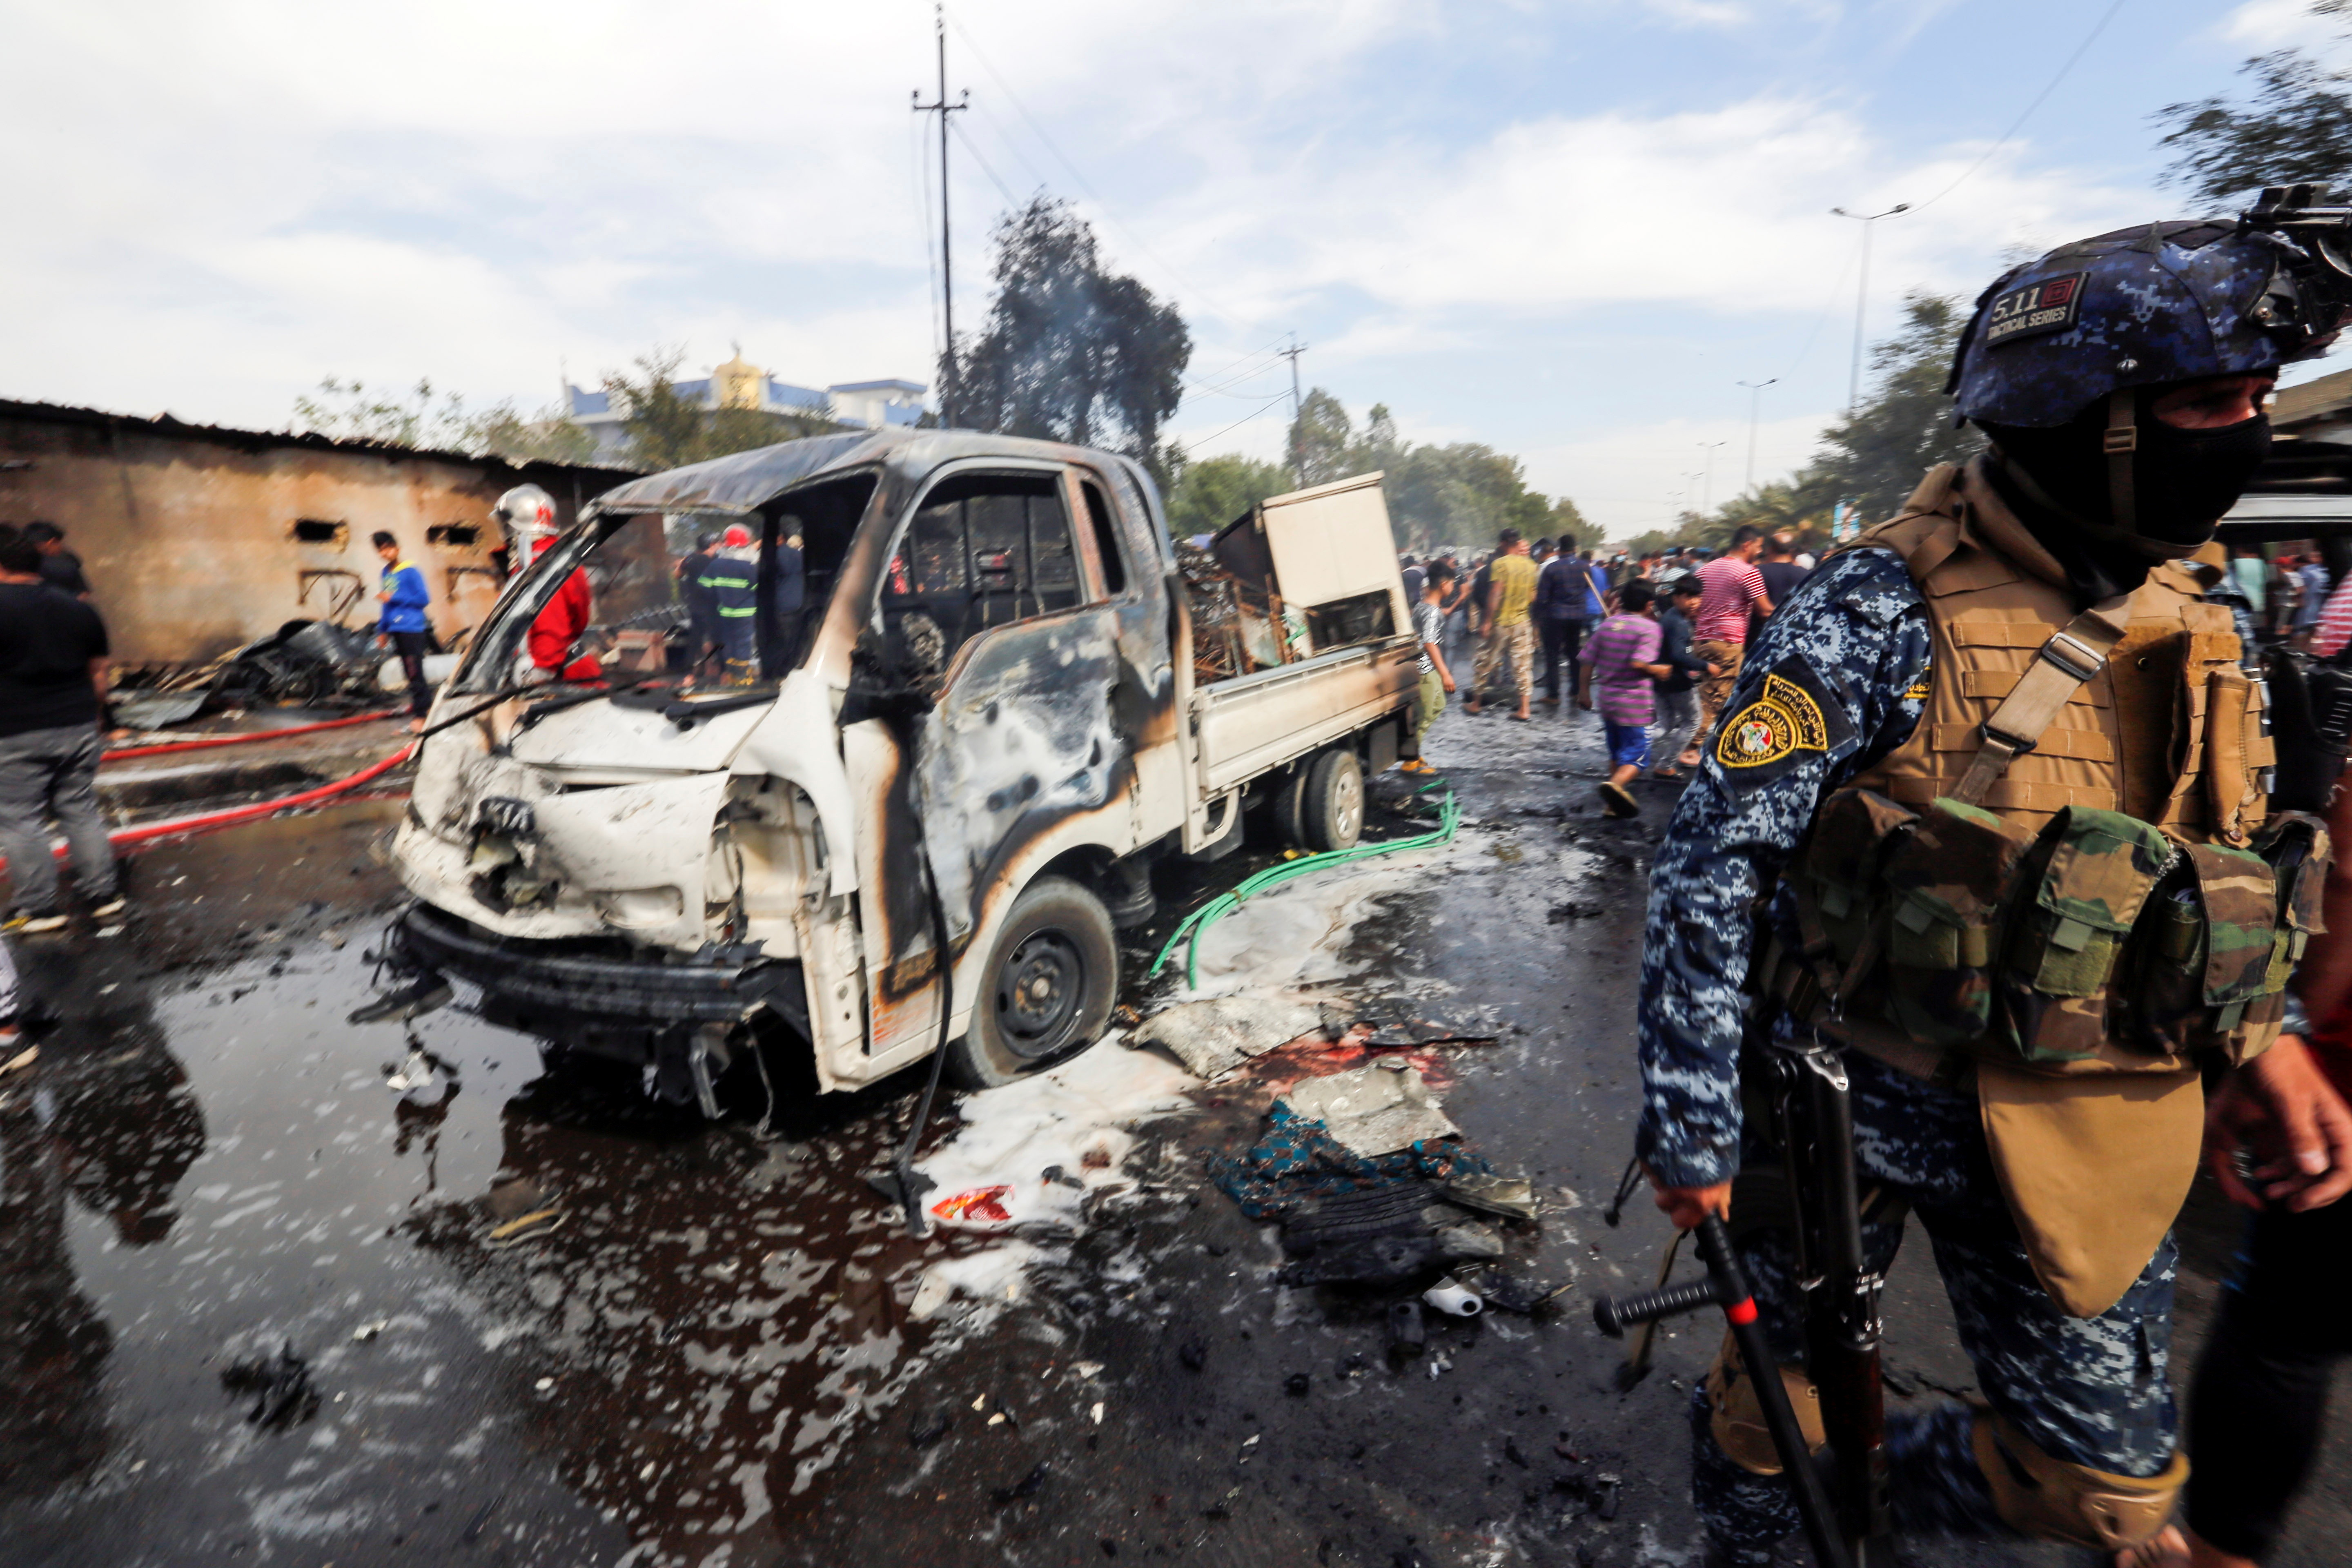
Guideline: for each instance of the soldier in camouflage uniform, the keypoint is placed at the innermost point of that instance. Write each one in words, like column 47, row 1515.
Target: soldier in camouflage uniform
column 2061, row 354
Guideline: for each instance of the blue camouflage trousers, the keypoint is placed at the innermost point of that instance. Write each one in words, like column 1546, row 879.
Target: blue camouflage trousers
column 2090, row 1390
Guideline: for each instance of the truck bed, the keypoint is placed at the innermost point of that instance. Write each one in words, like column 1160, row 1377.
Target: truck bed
column 1251, row 723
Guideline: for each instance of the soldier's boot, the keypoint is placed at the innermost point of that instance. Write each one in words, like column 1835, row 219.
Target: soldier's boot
column 2052, row 1499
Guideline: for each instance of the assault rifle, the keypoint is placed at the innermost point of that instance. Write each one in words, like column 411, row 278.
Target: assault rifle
column 1810, row 1114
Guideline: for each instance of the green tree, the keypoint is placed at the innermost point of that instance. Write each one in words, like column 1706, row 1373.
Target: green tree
column 668, row 430
column 1875, row 457
column 549, row 438
column 1567, row 522
column 1214, row 491
column 1071, row 350
column 1322, row 444
column 1462, row 494
column 2294, row 126
column 348, row 411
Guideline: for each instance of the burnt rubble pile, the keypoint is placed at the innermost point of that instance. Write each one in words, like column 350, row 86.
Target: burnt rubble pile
column 1234, row 624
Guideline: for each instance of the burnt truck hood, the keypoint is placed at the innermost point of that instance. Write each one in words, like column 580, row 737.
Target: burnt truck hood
column 637, row 740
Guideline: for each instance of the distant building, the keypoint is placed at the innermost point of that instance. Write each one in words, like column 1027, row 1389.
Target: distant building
column 738, row 383
column 199, row 538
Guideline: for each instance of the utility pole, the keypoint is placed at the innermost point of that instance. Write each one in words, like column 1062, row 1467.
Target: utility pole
column 1297, row 436
column 1707, row 485
column 1755, row 405
column 1861, row 298
column 952, row 379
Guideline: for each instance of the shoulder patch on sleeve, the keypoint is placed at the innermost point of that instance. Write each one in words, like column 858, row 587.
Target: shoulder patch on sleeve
column 1796, row 716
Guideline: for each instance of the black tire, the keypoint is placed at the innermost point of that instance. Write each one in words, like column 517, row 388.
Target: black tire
column 1046, row 990
column 1286, row 813
column 1332, row 811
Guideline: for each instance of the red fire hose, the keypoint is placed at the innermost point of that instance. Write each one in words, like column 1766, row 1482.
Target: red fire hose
column 204, row 822
column 208, row 741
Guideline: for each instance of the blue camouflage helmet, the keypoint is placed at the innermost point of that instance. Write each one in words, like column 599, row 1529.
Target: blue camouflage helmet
column 2160, row 303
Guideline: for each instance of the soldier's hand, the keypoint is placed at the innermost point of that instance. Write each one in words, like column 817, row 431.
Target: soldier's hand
column 2277, row 1132
column 1688, row 1205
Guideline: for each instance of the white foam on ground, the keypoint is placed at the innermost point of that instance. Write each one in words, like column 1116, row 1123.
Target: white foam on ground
column 1292, row 934
column 1088, row 1105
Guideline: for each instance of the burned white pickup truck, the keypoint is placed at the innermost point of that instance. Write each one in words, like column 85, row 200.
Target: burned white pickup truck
column 984, row 698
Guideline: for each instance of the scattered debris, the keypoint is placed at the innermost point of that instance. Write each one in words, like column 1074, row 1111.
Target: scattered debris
column 539, row 1221
column 1407, row 1332
column 1373, row 1111
column 370, row 1329
column 416, row 1072
column 1096, row 1414
column 1193, row 1354
column 929, row 1427
column 982, row 1207
column 280, row 1385
column 473, row 1530
column 1512, row 1198
column 1519, row 1296
column 1213, row 1037
column 1297, row 1384
column 411, row 1001
column 1298, row 1159
column 1026, row 1487
column 1453, row 1297
column 21, row 1059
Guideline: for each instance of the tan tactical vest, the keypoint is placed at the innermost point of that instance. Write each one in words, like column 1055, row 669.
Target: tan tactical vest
column 2169, row 731
column 2095, row 1147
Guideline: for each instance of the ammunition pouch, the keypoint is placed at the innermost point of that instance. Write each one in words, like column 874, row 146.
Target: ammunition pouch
column 2100, row 944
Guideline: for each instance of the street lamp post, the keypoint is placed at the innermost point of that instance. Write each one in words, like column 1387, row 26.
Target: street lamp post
column 1707, row 485
column 1755, row 406
column 1862, row 298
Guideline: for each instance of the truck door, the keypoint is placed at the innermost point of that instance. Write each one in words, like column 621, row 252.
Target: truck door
column 991, row 579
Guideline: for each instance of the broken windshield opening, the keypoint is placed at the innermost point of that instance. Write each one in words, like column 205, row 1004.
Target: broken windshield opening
column 693, row 598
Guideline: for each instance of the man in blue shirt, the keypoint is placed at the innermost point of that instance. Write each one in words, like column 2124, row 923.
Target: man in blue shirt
column 401, row 625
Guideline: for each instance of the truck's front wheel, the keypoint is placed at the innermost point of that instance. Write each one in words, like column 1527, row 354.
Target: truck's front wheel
column 1047, row 987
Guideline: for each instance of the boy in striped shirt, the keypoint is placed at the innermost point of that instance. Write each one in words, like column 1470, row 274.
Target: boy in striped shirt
column 1617, row 672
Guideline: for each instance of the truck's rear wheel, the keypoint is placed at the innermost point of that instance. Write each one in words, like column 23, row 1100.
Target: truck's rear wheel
column 1046, row 990
column 1332, row 809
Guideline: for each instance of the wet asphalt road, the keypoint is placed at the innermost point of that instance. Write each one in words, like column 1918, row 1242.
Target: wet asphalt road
column 703, row 1355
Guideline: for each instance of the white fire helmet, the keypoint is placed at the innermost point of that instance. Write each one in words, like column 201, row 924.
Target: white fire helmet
column 528, row 515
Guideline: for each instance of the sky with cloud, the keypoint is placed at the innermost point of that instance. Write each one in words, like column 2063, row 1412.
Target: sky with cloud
column 1568, row 229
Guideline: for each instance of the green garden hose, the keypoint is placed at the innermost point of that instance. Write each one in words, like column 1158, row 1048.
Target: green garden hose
column 1449, row 818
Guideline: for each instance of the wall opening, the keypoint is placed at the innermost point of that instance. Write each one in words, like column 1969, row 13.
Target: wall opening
column 462, row 536
column 318, row 530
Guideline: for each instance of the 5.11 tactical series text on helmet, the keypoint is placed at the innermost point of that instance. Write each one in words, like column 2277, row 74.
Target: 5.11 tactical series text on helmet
column 2063, row 344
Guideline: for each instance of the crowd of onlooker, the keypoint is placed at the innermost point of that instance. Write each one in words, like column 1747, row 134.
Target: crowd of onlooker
column 1652, row 643
column 2292, row 599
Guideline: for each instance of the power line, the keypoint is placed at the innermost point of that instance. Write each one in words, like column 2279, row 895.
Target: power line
column 2039, row 99
column 1225, row 388
column 1239, row 422
column 1051, row 146
column 1010, row 199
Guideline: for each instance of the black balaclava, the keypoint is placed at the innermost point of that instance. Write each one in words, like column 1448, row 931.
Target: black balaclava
column 2182, row 481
